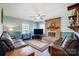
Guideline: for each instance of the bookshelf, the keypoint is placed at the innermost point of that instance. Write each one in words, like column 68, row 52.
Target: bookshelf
column 74, row 18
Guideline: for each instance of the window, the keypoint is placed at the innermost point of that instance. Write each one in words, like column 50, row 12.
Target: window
column 25, row 28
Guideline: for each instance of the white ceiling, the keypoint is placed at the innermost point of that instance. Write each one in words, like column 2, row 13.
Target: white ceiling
column 25, row 10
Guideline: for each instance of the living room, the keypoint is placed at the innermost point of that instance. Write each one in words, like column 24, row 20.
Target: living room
column 39, row 29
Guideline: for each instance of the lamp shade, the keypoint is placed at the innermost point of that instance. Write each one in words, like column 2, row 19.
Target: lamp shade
column 11, row 29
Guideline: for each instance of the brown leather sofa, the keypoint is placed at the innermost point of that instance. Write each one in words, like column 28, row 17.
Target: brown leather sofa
column 63, row 48
column 11, row 48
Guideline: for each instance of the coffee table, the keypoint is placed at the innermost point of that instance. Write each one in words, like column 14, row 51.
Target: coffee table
column 24, row 51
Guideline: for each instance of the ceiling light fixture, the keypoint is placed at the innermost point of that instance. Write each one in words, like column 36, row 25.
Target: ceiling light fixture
column 38, row 16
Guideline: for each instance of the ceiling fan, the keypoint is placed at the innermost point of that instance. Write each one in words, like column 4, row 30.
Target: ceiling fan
column 38, row 15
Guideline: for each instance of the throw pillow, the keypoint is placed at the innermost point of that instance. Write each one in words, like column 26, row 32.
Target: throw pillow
column 7, row 39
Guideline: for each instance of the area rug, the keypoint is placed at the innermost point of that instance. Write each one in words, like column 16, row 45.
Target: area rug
column 41, row 46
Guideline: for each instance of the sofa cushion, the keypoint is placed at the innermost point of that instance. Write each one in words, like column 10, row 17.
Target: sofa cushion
column 67, row 42
column 58, row 42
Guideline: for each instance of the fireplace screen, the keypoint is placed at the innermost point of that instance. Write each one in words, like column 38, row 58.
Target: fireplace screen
column 51, row 34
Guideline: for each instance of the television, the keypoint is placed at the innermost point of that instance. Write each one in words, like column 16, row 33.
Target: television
column 38, row 31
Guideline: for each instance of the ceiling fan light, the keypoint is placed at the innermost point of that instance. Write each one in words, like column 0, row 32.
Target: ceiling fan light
column 37, row 17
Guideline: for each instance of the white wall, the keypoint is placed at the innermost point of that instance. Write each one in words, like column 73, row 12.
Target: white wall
column 41, row 25
column 1, row 29
column 1, row 26
column 64, row 24
column 17, row 23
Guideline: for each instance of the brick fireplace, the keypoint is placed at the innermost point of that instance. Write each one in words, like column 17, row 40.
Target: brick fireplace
column 53, row 30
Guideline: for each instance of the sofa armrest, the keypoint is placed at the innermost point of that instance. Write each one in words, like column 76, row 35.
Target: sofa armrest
column 56, row 51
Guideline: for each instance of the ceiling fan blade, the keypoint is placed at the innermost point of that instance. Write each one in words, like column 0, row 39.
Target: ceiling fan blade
column 43, row 16
column 34, row 17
